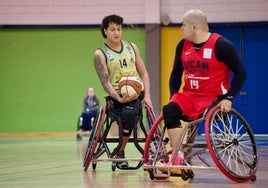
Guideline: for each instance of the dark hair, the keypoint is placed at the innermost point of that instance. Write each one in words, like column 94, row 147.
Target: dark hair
column 110, row 19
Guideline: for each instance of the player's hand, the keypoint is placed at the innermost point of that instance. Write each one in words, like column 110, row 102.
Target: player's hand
column 127, row 98
column 147, row 101
column 225, row 105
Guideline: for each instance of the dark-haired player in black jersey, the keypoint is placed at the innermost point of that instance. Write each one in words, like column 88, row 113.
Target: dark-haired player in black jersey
column 205, row 61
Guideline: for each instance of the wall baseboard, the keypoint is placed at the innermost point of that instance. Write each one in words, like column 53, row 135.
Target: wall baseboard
column 38, row 134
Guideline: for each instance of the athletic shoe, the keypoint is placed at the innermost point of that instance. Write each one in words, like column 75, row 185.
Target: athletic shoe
column 123, row 164
column 178, row 161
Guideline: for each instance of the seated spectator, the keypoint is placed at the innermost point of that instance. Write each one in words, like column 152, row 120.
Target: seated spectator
column 90, row 109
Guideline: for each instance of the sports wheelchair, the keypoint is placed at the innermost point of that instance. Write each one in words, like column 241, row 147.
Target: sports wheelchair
column 84, row 124
column 98, row 143
column 229, row 146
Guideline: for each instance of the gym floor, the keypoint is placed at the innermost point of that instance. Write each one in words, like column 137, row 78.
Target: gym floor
column 56, row 161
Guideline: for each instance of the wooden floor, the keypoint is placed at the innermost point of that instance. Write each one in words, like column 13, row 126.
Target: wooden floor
column 51, row 161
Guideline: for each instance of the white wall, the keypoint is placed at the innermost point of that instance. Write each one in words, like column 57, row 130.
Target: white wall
column 218, row 10
column 77, row 11
column 133, row 11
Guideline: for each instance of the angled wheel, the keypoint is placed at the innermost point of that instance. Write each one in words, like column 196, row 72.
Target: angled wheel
column 94, row 138
column 231, row 144
column 155, row 147
column 152, row 142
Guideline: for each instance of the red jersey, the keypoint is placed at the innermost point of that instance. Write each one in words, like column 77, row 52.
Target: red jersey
column 203, row 73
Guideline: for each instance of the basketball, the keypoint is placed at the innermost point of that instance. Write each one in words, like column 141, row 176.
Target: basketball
column 130, row 85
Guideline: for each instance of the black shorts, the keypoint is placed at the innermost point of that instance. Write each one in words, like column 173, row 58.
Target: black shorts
column 135, row 106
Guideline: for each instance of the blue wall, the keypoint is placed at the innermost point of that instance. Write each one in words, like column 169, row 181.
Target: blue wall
column 251, row 42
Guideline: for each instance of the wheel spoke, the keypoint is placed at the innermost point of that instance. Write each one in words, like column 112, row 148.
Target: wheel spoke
column 231, row 144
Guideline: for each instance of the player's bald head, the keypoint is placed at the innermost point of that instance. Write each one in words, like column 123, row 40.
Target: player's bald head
column 195, row 16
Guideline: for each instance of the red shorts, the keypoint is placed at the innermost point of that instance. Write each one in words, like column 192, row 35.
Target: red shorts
column 192, row 105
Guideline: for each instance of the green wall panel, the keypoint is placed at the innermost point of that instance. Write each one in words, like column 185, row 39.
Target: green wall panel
column 45, row 73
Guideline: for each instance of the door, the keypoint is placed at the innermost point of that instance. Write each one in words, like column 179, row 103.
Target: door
column 254, row 103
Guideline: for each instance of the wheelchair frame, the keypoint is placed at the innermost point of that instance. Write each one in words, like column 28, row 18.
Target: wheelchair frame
column 230, row 143
column 98, row 140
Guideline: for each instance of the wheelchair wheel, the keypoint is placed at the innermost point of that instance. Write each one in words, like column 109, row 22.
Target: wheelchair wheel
column 152, row 140
column 231, row 144
column 155, row 147
column 94, row 138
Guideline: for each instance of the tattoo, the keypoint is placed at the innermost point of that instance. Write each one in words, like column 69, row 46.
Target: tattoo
column 103, row 76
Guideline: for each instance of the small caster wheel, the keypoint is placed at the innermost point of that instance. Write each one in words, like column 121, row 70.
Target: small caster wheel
column 94, row 165
column 151, row 174
column 184, row 175
column 254, row 178
column 191, row 174
column 113, row 166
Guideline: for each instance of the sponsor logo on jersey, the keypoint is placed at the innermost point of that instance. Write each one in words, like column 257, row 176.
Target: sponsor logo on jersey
column 207, row 53
column 109, row 55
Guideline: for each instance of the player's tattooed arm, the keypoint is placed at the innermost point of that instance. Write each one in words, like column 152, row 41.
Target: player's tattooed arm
column 102, row 72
